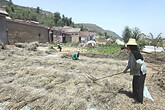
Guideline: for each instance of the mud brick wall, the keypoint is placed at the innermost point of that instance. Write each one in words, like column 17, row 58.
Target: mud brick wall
column 23, row 32
column 75, row 38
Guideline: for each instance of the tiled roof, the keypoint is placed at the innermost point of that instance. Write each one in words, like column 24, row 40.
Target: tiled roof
column 67, row 29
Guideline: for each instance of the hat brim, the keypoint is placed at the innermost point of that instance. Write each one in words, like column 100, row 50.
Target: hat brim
column 130, row 44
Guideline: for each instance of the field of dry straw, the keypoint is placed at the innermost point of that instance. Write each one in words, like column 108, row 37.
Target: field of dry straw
column 49, row 80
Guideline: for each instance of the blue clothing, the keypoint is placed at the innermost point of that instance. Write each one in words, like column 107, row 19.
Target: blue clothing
column 136, row 66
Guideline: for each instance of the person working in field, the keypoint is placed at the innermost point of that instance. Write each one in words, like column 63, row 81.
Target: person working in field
column 75, row 55
column 59, row 47
column 137, row 69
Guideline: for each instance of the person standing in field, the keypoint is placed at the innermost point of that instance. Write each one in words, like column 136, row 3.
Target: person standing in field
column 75, row 55
column 59, row 47
column 137, row 69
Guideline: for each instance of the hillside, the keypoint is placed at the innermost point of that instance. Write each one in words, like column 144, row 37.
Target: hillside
column 48, row 18
column 94, row 27
column 36, row 14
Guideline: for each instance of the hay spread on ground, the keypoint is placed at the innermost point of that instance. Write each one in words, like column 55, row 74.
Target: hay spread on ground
column 47, row 80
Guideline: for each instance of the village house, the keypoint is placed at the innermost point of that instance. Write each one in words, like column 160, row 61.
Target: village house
column 13, row 31
column 164, row 43
column 93, row 35
column 26, row 31
column 18, row 30
column 84, row 36
column 70, row 34
column 142, row 37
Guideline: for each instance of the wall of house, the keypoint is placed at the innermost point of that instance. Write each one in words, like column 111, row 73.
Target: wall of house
column 84, row 36
column 3, row 30
column 164, row 43
column 23, row 32
column 75, row 38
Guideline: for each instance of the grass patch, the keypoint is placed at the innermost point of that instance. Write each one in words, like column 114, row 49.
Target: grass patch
column 105, row 49
column 71, row 44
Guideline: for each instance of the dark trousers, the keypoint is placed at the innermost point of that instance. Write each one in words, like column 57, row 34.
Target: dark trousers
column 60, row 49
column 138, row 86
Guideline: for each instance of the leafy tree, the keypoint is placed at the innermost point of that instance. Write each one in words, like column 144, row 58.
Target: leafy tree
column 70, row 21
column 38, row 10
column 56, row 17
column 10, row 2
column 63, row 19
column 105, row 34
column 156, row 42
column 7, row 9
column 33, row 17
column 12, row 9
column 136, row 31
column 82, row 27
column 60, row 22
column 127, row 33
column 142, row 43
column 101, row 34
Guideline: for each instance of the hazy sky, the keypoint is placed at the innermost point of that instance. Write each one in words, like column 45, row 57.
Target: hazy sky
column 114, row 15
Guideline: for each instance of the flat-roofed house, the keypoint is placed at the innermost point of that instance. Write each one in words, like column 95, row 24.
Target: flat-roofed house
column 70, row 34
column 84, row 36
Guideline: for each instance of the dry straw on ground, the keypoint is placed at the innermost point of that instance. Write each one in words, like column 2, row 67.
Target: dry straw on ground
column 45, row 81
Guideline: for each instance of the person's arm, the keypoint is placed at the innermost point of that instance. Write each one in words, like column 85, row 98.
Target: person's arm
column 76, row 56
column 129, row 64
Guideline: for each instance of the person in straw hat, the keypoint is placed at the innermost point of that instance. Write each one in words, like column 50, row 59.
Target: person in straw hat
column 137, row 69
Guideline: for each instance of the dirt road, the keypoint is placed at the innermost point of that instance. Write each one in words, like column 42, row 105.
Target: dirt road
column 48, row 80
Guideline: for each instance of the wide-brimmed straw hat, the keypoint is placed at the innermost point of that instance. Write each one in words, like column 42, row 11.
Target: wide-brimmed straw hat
column 131, row 41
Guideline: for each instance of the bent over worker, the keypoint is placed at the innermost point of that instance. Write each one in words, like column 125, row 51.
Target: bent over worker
column 137, row 69
column 75, row 55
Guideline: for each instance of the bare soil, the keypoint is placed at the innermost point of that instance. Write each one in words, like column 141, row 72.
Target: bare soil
column 45, row 79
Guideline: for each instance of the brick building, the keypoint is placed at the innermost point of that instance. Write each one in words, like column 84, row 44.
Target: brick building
column 70, row 34
column 84, row 36
column 21, row 31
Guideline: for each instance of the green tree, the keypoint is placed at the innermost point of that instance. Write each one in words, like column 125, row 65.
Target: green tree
column 64, row 19
column 10, row 2
column 12, row 9
column 33, row 17
column 127, row 33
column 156, row 42
column 70, row 21
column 56, row 17
column 8, row 9
column 82, row 27
column 105, row 34
column 136, row 31
column 38, row 10
column 60, row 22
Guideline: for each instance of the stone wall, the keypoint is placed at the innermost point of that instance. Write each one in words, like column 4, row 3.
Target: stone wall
column 23, row 32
